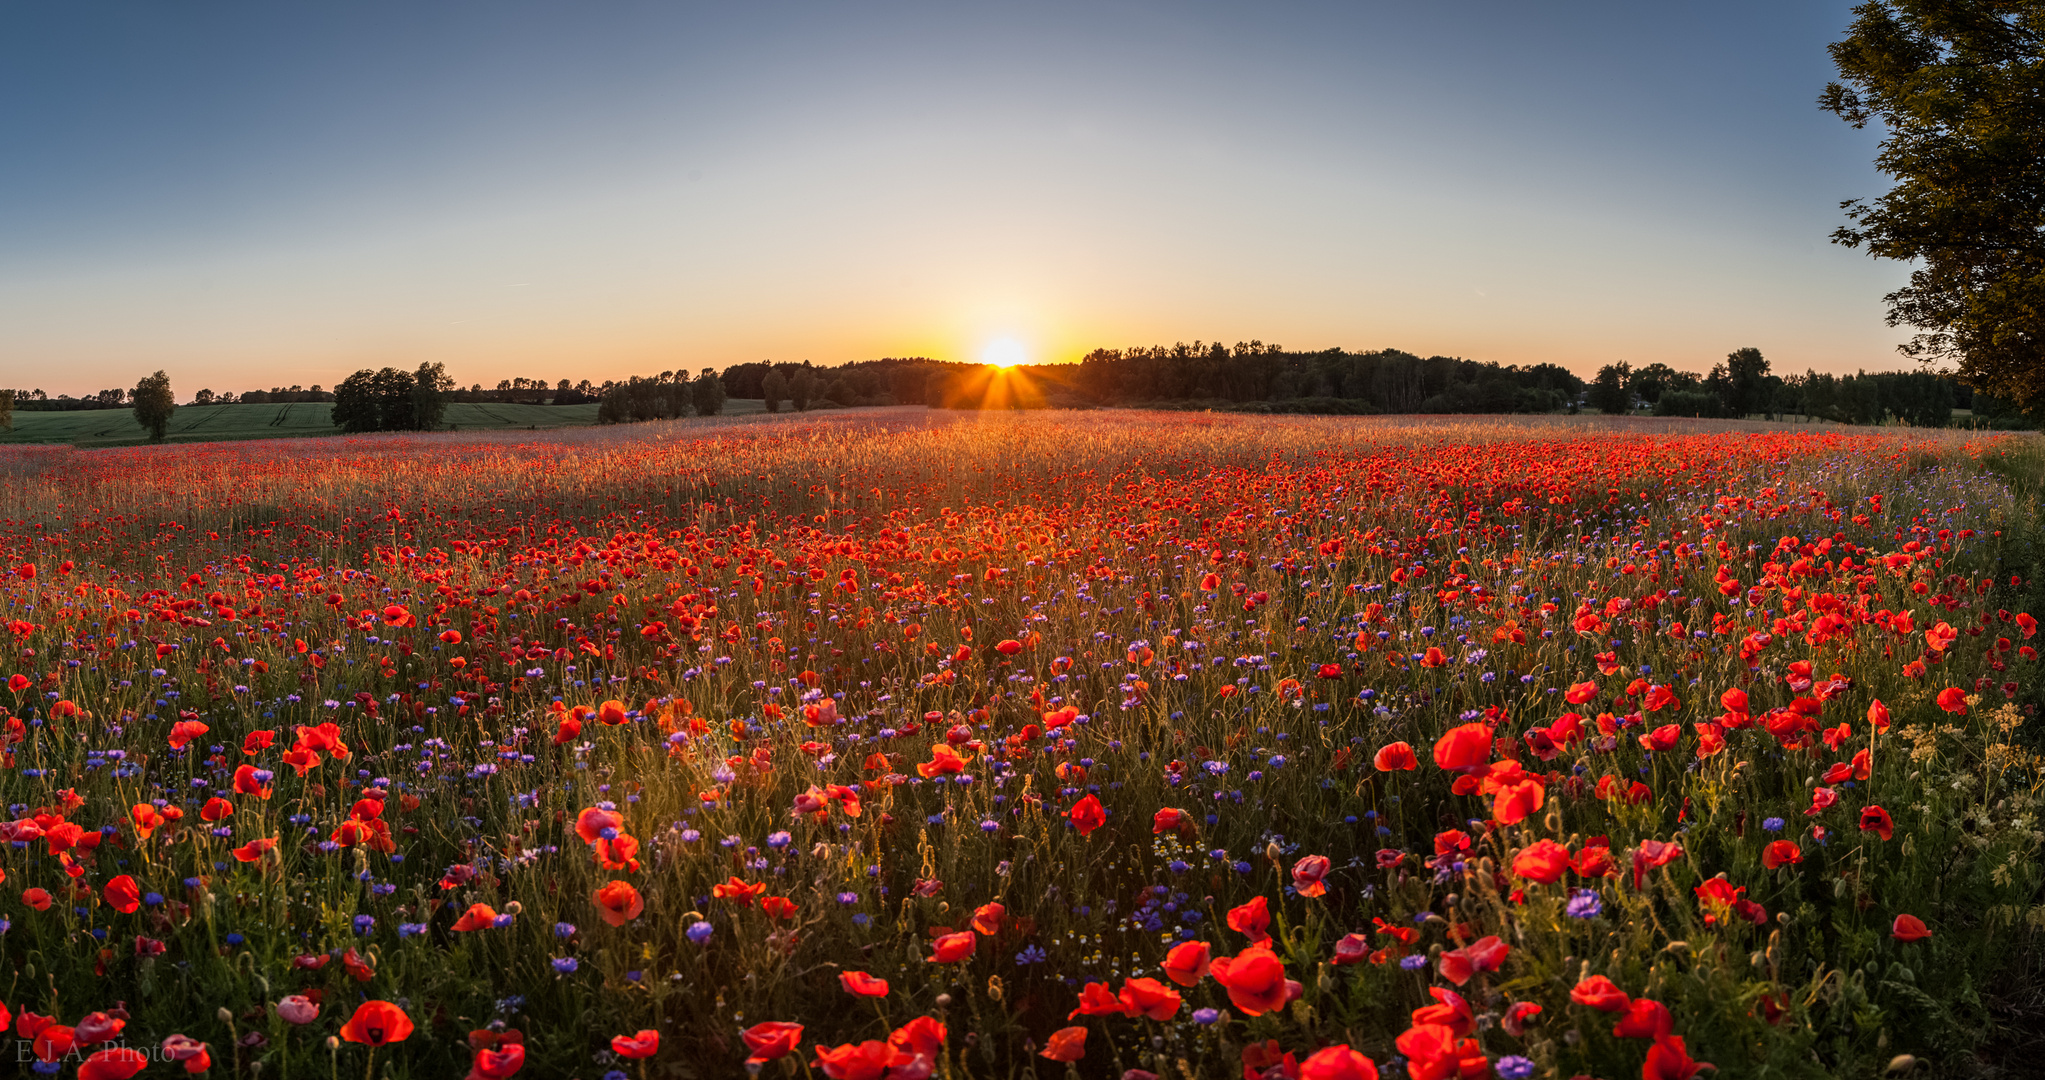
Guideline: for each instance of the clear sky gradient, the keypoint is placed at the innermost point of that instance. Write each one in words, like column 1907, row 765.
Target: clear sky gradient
column 261, row 194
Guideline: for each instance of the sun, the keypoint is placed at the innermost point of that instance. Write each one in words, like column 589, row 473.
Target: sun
column 1003, row 353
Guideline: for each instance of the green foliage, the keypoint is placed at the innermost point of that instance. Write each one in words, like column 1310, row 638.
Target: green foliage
column 707, row 392
column 430, row 385
column 1611, row 392
column 7, row 410
column 154, row 405
column 1958, row 87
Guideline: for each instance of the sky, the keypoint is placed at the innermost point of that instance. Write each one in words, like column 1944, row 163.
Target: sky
column 252, row 194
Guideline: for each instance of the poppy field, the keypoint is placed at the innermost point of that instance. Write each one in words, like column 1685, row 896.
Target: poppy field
column 911, row 744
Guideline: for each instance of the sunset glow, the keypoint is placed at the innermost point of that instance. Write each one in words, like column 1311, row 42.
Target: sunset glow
column 523, row 190
column 1003, row 353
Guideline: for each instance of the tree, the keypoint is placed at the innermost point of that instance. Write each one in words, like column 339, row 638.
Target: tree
column 203, row 397
column 1746, row 382
column 774, row 388
column 355, row 402
column 7, row 409
column 429, row 396
column 154, row 405
column 707, row 393
column 393, row 399
column 1610, row 392
column 803, row 389
column 1959, row 87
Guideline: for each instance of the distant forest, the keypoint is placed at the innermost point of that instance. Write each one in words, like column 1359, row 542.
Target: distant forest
column 1246, row 377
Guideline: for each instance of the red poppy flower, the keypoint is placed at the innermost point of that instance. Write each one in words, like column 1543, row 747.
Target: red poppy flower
column 254, row 849
column 1433, row 1053
column 1449, row 1010
column 1255, row 980
column 1008, row 646
column 1651, row 854
column 1516, row 1019
column 185, row 731
column 740, row 891
column 1065, row 1044
column 1086, row 815
column 944, row 761
column 869, row 1060
column 1874, row 819
column 987, row 918
column 195, row 1055
column 1599, row 993
column 953, row 948
column 1544, row 861
column 52, row 1041
column 1662, row 739
column 1517, row 802
column 1668, row 1060
column 862, row 984
column 1394, row 757
column 1337, row 1063
column 1095, row 999
column 1251, row 918
column 1484, row 954
column 618, row 902
column 1187, row 963
column 643, row 1044
column 478, row 917
column 1953, row 700
column 1350, row 949
column 113, row 1063
column 258, row 741
column 1781, row 853
column 245, row 783
column 923, row 1037
column 1909, row 928
column 376, row 1023
column 1578, row 693
column 215, row 809
column 1307, row 875
column 1644, row 1019
column 98, row 1027
column 1149, row 998
column 122, row 894
column 1465, row 747
column 497, row 1062
column 771, row 1039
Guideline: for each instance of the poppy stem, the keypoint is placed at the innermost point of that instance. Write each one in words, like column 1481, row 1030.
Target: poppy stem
column 370, row 1072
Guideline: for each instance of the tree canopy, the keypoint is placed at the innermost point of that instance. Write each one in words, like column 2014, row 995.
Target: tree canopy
column 1959, row 88
column 153, row 405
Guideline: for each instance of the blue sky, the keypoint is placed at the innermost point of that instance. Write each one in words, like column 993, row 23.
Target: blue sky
column 251, row 195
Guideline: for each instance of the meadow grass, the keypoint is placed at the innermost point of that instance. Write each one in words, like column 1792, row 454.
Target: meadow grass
column 1010, row 642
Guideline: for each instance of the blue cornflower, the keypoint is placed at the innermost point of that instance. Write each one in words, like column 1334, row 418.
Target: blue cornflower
column 1584, row 904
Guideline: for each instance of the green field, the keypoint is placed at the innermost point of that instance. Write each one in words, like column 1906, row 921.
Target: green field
column 213, row 423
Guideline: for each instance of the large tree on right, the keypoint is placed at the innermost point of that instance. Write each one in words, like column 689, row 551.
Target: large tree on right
column 1959, row 87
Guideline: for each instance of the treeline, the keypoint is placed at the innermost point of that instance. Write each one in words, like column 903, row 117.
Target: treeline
column 37, row 401
column 1384, row 380
column 1744, row 386
column 392, row 399
column 667, row 396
